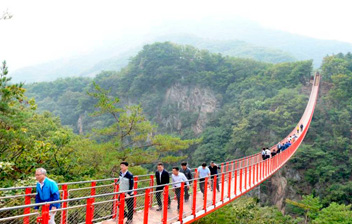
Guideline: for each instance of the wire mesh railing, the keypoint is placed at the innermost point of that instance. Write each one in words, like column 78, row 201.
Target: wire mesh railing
column 107, row 203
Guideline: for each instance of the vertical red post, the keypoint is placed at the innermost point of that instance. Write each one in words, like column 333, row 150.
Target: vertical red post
column 222, row 167
column 27, row 201
column 268, row 164
column 215, row 179
column 89, row 210
column 223, row 186
column 228, row 187
column 249, row 176
column 277, row 161
column 45, row 214
column 235, row 182
column 205, row 193
column 121, row 209
column 253, row 174
column 257, row 168
column 253, row 177
column 262, row 170
column 151, row 184
column 245, row 178
column 166, row 198
column 241, row 180
column 64, row 205
column 135, row 186
column 227, row 168
column 146, row 205
column 194, row 203
column 182, row 193
column 115, row 203
column 92, row 192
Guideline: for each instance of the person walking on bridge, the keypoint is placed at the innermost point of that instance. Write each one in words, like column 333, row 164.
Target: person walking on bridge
column 126, row 184
column 301, row 127
column 162, row 177
column 47, row 191
column 278, row 146
column 263, row 154
column 267, row 153
column 214, row 172
column 188, row 173
column 203, row 172
column 177, row 178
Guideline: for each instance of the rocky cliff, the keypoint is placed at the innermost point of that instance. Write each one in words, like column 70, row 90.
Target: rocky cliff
column 187, row 105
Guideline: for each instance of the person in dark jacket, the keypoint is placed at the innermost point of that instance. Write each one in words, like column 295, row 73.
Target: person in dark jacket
column 188, row 173
column 263, row 154
column 126, row 184
column 273, row 153
column 47, row 191
column 279, row 148
column 162, row 177
column 301, row 127
column 214, row 172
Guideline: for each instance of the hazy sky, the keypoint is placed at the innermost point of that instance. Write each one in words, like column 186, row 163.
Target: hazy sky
column 43, row 30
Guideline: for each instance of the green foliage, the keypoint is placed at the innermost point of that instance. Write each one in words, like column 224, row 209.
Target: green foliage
column 257, row 104
column 309, row 204
column 246, row 210
column 325, row 160
column 132, row 137
column 335, row 213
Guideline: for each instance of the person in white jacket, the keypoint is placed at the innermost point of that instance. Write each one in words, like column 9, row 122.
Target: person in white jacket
column 177, row 179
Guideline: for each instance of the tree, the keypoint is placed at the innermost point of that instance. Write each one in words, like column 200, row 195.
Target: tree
column 335, row 213
column 309, row 204
column 132, row 137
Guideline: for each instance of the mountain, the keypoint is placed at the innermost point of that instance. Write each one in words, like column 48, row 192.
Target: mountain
column 91, row 64
column 235, row 105
column 234, row 37
column 300, row 47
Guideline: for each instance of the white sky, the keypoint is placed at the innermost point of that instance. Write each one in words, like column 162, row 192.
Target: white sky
column 43, row 30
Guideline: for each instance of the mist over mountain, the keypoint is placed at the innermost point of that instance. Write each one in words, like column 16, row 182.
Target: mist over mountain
column 236, row 37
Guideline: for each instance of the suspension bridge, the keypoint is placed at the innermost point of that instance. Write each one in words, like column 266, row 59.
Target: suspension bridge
column 100, row 201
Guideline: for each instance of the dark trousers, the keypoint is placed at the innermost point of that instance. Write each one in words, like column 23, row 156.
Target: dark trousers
column 201, row 184
column 158, row 196
column 178, row 195
column 186, row 194
column 129, row 204
column 217, row 183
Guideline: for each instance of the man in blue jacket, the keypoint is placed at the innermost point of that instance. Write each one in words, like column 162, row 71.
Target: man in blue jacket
column 47, row 191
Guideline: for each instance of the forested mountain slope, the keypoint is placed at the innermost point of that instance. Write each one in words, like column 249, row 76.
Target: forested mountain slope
column 235, row 106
